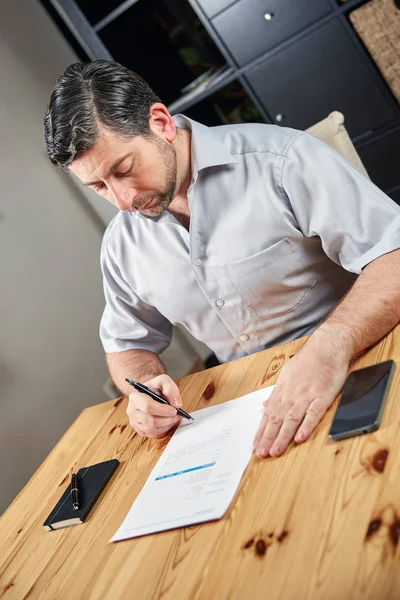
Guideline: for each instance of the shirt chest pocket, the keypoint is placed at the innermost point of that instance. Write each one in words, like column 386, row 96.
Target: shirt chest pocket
column 272, row 282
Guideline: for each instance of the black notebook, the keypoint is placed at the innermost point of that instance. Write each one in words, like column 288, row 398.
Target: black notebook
column 91, row 482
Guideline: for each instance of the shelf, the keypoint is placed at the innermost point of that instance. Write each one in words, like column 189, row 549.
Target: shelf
column 114, row 14
column 218, row 80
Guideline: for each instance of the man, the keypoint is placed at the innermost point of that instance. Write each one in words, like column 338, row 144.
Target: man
column 248, row 235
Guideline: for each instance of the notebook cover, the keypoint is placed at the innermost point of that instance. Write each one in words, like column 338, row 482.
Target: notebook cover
column 91, row 482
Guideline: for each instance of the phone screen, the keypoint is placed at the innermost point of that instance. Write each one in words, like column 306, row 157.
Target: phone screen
column 361, row 403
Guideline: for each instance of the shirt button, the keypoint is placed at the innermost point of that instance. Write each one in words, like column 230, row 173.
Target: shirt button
column 244, row 337
column 197, row 262
column 219, row 302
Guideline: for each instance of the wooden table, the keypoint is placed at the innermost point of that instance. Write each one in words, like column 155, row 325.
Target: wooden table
column 320, row 522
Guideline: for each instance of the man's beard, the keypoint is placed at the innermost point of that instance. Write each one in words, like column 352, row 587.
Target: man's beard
column 164, row 198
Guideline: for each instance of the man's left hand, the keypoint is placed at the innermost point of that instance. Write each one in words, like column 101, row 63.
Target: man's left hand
column 306, row 388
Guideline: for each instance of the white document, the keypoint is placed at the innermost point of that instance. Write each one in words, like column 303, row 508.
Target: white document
column 199, row 471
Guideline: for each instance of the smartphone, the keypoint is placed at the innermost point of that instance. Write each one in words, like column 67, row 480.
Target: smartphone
column 362, row 401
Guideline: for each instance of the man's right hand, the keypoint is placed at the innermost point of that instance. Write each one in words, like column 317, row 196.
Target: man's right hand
column 149, row 417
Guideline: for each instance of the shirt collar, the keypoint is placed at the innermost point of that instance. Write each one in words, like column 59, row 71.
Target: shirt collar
column 207, row 149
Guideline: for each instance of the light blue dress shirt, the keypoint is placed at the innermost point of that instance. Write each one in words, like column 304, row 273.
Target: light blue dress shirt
column 281, row 225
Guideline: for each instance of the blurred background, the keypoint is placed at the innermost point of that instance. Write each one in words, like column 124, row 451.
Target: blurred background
column 288, row 62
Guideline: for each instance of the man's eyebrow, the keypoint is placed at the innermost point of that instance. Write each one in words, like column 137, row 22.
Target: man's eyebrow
column 111, row 169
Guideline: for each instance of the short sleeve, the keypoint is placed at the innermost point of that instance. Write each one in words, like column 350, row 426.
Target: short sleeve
column 128, row 323
column 330, row 198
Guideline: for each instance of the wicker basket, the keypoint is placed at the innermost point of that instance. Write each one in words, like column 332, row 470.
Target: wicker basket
column 378, row 25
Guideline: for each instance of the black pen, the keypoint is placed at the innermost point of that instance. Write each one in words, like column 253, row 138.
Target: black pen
column 75, row 491
column 140, row 387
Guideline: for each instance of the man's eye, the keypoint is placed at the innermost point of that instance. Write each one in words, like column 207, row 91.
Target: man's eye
column 123, row 173
column 99, row 187
column 126, row 169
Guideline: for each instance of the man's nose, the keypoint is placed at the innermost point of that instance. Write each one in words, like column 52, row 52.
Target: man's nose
column 122, row 194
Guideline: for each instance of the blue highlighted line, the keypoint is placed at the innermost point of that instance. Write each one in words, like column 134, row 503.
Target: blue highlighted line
column 185, row 471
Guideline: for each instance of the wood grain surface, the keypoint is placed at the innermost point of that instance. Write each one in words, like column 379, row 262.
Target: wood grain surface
column 320, row 522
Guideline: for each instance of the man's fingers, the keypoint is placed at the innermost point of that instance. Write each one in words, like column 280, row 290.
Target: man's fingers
column 273, row 400
column 156, row 429
column 271, row 430
column 149, row 425
column 271, row 404
column 156, row 434
column 146, row 404
column 280, row 427
column 153, row 422
column 140, row 431
column 167, row 388
column 306, row 388
column 260, row 431
column 313, row 416
column 149, row 417
column 288, row 430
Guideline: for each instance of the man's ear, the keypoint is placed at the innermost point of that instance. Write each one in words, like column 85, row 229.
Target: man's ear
column 161, row 123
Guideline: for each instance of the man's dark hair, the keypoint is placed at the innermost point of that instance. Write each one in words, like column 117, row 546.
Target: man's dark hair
column 88, row 95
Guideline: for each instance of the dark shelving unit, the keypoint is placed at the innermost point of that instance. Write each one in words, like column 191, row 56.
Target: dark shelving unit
column 288, row 62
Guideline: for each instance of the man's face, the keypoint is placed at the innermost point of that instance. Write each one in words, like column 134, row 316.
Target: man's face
column 135, row 174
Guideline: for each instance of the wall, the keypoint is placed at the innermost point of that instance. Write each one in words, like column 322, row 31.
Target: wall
column 51, row 360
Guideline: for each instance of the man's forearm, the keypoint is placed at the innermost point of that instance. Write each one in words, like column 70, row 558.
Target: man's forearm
column 369, row 311
column 140, row 365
